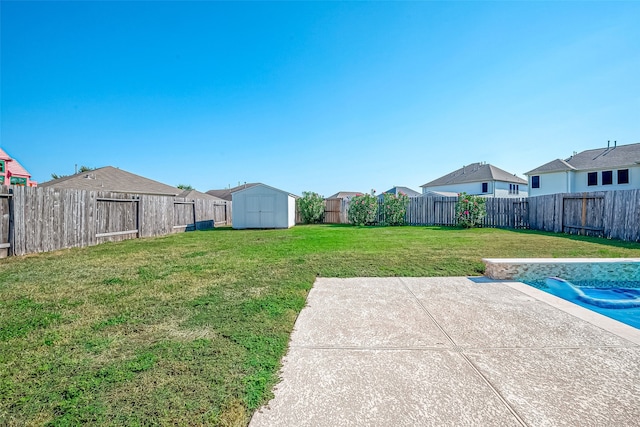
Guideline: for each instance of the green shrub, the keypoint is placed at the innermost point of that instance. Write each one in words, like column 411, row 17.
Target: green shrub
column 470, row 210
column 394, row 208
column 363, row 209
column 310, row 207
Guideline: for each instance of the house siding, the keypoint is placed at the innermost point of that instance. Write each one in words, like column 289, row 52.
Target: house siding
column 494, row 189
column 576, row 181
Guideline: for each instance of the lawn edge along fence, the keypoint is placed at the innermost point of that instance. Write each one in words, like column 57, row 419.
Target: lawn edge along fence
column 607, row 214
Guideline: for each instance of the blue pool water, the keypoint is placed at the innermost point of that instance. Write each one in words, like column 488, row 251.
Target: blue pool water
column 607, row 290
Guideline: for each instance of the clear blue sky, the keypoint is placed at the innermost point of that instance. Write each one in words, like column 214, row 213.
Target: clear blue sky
column 314, row 96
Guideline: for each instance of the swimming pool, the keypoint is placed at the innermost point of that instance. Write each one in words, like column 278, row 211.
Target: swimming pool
column 601, row 296
column 597, row 278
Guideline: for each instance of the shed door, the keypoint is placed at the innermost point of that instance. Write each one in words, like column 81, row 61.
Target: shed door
column 261, row 212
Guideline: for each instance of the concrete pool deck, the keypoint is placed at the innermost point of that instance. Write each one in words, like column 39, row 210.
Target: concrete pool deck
column 453, row 351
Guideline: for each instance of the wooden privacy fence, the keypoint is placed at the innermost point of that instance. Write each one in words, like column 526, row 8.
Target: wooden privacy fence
column 434, row 210
column 609, row 214
column 45, row 219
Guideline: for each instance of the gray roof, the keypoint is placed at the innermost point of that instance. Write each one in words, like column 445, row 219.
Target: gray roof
column 406, row 190
column 600, row 158
column 476, row 172
column 225, row 193
column 344, row 194
column 113, row 179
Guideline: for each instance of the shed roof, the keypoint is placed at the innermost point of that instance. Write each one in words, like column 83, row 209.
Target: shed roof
column 195, row 194
column 476, row 172
column 600, row 158
column 259, row 184
column 113, row 179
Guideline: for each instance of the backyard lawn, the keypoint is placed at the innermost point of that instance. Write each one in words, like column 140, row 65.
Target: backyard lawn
column 189, row 329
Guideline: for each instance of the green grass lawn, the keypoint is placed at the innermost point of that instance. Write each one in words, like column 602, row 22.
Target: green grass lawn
column 189, row 329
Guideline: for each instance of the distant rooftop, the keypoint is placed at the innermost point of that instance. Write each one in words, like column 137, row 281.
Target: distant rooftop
column 113, row 179
column 476, row 172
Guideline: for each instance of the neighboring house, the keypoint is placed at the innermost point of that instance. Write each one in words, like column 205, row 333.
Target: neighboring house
column 615, row 167
column 12, row 172
column 397, row 190
column 480, row 179
column 115, row 180
column 345, row 195
column 262, row 206
column 225, row 193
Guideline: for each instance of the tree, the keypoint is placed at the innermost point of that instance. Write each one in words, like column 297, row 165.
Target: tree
column 185, row 187
column 82, row 169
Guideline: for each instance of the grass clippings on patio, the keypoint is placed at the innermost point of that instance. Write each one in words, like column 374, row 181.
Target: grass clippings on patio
column 189, row 329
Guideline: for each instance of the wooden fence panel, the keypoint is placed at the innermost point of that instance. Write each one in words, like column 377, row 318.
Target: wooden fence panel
column 116, row 217
column 157, row 215
column 184, row 215
column 333, row 211
column 5, row 221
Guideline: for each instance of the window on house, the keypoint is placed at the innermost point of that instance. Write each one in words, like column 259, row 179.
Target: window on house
column 485, row 187
column 1, row 179
column 18, row 181
column 535, row 181
column 607, row 177
column 623, row 176
column 592, row 178
column 517, row 189
column 1, row 166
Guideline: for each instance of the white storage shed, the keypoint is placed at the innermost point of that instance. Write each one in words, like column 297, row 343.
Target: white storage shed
column 262, row 206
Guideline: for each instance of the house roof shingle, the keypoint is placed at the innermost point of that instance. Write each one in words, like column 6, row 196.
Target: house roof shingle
column 476, row 172
column 113, row 179
column 599, row 158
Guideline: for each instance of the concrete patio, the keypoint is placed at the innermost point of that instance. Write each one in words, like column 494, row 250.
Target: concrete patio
column 453, row 351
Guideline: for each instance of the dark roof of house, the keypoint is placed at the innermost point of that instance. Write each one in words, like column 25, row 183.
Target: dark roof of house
column 406, row 190
column 344, row 194
column 600, row 158
column 113, row 179
column 476, row 172
column 13, row 165
column 225, row 193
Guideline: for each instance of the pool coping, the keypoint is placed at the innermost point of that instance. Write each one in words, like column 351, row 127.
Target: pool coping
column 528, row 268
column 600, row 320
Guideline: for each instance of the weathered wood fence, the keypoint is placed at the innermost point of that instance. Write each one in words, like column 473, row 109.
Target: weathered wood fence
column 610, row 214
column 44, row 219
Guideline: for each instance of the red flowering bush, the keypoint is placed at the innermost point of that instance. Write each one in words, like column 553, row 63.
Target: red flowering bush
column 470, row 210
column 363, row 209
column 394, row 208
